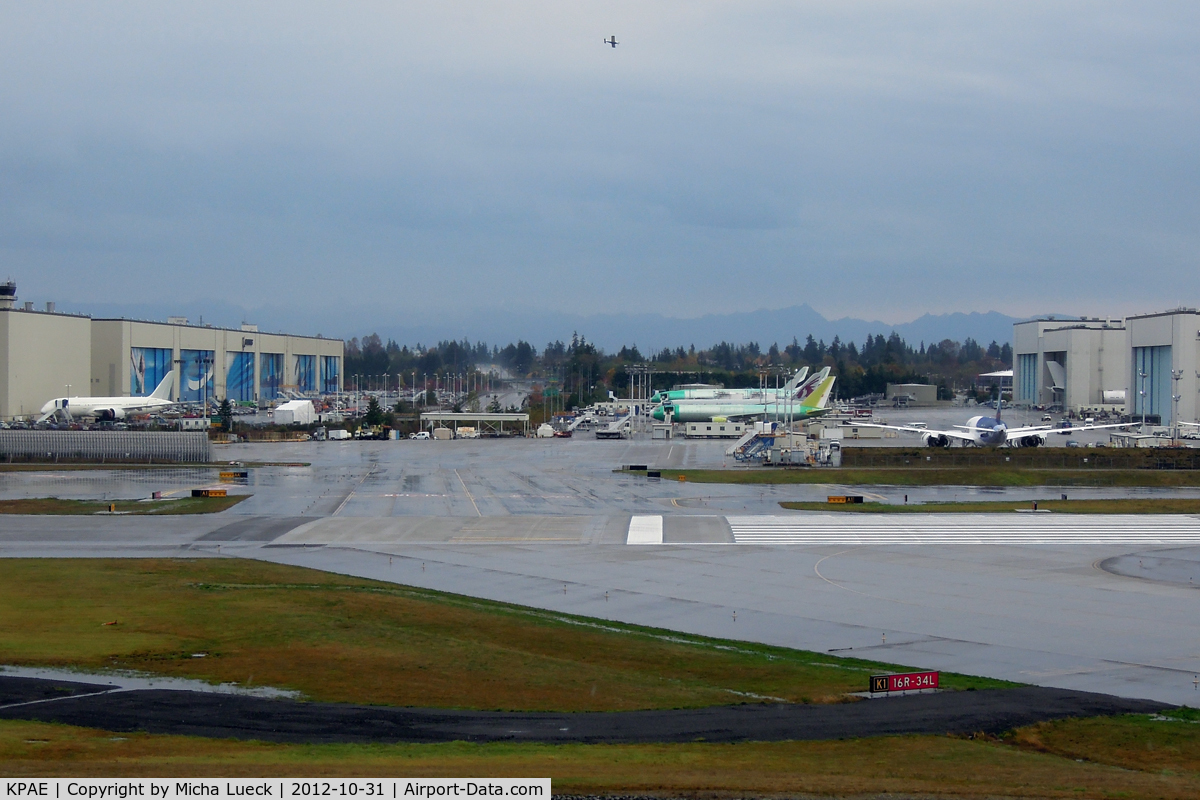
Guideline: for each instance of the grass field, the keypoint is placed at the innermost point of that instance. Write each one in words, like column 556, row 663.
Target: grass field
column 182, row 505
column 344, row 639
column 1166, row 505
column 1126, row 757
column 940, row 476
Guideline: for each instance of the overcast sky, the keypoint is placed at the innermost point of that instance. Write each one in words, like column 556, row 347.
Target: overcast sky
column 874, row 159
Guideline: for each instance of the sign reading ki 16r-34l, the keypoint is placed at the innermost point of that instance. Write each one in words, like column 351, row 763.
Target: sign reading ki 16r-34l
column 904, row 682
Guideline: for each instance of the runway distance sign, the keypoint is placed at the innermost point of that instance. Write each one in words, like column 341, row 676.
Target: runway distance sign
column 904, row 682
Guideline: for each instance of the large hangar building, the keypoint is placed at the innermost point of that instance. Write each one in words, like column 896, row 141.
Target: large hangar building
column 46, row 354
column 1131, row 365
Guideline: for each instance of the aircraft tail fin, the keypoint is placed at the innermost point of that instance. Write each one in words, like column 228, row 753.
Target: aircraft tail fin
column 821, row 394
column 806, row 389
column 163, row 390
column 796, row 380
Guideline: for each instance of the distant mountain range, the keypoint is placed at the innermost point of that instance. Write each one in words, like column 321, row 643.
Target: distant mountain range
column 650, row 332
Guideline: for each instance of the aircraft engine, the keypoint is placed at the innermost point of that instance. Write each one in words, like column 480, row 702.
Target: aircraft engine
column 109, row 414
column 1030, row 441
column 936, row 440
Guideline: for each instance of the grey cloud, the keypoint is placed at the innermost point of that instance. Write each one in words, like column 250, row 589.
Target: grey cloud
column 910, row 149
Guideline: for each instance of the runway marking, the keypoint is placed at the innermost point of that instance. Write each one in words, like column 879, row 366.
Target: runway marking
column 352, row 491
column 972, row 529
column 836, row 585
column 468, row 491
column 479, row 539
column 645, row 530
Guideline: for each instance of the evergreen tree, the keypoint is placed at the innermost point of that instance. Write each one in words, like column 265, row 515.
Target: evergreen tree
column 225, row 412
column 374, row 412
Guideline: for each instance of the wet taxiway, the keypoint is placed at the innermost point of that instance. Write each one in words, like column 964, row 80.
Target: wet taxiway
column 1044, row 600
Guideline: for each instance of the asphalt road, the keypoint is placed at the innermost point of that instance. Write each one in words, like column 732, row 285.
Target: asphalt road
column 17, row 691
column 239, row 717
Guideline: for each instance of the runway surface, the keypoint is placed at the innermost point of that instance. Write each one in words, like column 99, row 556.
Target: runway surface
column 852, row 528
column 231, row 716
column 1096, row 603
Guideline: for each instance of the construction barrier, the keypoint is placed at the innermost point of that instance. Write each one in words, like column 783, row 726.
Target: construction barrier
column 190, row 447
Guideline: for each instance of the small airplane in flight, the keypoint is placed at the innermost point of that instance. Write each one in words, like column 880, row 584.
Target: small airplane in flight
column 982, row 431
column 613, row 41
column 110, row 408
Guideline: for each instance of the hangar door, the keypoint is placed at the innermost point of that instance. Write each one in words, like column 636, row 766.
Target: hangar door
column 147, row 367
column 239, row 377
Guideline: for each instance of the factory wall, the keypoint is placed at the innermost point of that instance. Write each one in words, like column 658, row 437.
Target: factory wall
column 40, row 354
column 1093, row 361
column 244, row 365
column 1160, row 345
column 1072, row 362
column 1093, row 356
column 916, row 393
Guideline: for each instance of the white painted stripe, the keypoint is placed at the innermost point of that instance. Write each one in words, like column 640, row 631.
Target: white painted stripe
column 645, row 530
column 967, row 529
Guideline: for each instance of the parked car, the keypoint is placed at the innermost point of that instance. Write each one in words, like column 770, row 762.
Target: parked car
column 1072, row 443
column 419, row 435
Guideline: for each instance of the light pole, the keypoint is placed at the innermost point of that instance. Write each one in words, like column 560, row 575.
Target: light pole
column 204, row 362
column 1177, row 376
column 1142, row 393
column 179, row 362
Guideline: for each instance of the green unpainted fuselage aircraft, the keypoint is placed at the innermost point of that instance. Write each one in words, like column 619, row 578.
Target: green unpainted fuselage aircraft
column 810, row 400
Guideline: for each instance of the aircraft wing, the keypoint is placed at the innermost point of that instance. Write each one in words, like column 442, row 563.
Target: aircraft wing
column 966, row 437
column 1043, row 431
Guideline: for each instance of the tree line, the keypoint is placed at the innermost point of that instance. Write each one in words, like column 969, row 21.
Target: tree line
column 586, row 372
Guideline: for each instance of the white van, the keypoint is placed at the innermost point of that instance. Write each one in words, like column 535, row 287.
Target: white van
column 419, row 435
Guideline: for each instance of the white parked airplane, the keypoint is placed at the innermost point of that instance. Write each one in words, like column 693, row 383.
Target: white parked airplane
column 110, row 408
column 984, row 431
